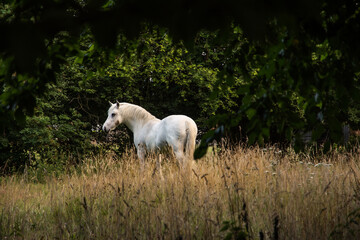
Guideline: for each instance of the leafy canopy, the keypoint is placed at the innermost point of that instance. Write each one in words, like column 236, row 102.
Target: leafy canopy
column 298, row 60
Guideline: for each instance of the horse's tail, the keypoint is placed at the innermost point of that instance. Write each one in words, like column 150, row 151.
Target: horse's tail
column 191, row 132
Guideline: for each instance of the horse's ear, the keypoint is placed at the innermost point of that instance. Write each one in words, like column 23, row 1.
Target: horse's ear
column 117, row 104
column 110, row 103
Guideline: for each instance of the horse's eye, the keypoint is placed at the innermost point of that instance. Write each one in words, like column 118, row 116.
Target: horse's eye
column 113, row 114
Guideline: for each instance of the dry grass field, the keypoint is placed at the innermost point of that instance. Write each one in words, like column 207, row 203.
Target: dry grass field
column 243, row 193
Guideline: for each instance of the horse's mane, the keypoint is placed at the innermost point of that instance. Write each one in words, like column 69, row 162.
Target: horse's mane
column 133, row 111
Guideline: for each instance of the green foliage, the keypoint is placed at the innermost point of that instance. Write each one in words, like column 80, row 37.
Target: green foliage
column 52, row 30
column 152, row 71
column 233, row 231
column 163, row 77
column 277, row 72
column 298, row 81
column 55, row 130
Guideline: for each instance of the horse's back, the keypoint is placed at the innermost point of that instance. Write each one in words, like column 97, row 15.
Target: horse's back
column 179, row 123
column 176, row 128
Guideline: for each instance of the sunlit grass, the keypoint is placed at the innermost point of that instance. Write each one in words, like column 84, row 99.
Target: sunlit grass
column 253, row 192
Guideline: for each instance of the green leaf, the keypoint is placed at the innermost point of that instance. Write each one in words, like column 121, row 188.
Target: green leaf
column 79, row 60
column 250, row 113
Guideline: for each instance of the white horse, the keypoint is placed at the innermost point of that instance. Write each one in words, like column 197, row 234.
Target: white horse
column 152, row 134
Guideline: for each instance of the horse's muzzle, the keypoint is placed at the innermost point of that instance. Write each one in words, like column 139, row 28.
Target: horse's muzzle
column 105, row 129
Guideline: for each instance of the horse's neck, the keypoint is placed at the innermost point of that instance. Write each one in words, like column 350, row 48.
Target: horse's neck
column 133, row 124
column 136, row 117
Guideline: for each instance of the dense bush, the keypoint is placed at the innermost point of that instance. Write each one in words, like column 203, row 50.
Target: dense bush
column 278, row 74
column 151, row 71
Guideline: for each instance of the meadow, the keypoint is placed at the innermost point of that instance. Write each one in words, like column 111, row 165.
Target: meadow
column 239, row 193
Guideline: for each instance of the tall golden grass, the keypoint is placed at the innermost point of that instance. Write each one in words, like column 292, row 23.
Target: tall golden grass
column 238, row 193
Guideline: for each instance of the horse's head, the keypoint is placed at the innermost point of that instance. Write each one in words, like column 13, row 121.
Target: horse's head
column 114, row 117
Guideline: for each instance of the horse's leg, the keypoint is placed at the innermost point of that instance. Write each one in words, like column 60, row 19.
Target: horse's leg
column 179, row 154
column 141, row 152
